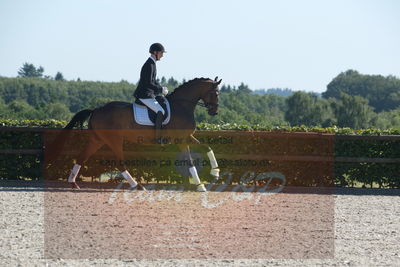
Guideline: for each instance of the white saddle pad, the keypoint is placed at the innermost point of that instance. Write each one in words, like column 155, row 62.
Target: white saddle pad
column 141, row 115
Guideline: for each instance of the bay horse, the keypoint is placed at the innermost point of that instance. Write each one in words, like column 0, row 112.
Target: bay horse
column 114, row 122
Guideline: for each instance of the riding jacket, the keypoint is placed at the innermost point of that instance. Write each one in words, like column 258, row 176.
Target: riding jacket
column 148, row 86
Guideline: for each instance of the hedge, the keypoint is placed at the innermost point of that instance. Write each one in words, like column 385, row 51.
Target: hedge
column 18, row 166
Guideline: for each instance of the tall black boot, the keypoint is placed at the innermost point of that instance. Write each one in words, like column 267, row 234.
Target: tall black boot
column 158, row 125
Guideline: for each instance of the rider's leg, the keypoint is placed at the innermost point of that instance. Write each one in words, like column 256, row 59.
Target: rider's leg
column 158, row 125
column 153, row 104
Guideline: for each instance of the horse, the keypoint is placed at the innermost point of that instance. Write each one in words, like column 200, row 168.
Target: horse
column 114, row 122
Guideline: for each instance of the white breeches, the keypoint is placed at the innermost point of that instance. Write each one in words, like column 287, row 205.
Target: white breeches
column 153, row 104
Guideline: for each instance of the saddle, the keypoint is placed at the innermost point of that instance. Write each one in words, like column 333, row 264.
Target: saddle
column 145, row 116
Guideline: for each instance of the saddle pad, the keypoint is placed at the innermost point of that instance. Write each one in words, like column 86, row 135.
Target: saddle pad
column 141, row 114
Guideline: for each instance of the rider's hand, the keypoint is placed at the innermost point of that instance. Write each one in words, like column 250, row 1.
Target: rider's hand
column 164, row 90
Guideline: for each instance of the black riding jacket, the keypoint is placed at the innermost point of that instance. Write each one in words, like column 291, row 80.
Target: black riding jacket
column 148, row 86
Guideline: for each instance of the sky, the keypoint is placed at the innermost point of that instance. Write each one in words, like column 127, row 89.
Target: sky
column 296, row 44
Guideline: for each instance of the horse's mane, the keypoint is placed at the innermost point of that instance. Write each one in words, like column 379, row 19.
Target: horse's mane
column 188, row 83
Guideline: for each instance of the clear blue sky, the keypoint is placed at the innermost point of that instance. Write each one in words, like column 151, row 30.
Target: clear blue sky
column 299, row 44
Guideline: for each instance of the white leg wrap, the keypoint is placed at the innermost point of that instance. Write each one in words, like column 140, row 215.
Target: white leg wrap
column 129, row 178
column 215, row 172
column 195, row 176
column 74, row 173
column 213, row 161
column 214, row 165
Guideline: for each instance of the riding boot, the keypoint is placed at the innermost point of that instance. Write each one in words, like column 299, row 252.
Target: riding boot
column 158, row 124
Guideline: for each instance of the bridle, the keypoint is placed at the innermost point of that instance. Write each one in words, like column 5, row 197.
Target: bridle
column 205, row 104
column 209, row 104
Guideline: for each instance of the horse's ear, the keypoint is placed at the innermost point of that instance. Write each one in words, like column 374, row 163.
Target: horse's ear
column 216, row 78
column 219, row 81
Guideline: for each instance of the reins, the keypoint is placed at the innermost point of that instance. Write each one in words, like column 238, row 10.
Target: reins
column 204, row 105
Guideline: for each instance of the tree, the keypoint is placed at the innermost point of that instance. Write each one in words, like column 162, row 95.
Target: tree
column 307, row 109
column 172, row 82
column 20, row 109
column 163, row 81
column 244, row 88
column 3, row 109
column 226, row 89
column 29, row 70
column 99, row 101
column 275, row 91
column 59, row 77
column 386, row 120
column 57, row 111
column 353, row 112
column 382, row 93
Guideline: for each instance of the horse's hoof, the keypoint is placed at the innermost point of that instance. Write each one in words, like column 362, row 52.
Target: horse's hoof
column 201, row 188
column 75, row 185
column 141, row 187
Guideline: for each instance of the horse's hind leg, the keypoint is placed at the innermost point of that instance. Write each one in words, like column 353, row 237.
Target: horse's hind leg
column 115, row 142
column 91, row 148
column 192, row 168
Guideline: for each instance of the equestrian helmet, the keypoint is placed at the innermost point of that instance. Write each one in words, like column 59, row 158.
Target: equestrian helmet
column 156, row 47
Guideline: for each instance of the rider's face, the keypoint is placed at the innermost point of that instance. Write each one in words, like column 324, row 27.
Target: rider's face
column 158, row 54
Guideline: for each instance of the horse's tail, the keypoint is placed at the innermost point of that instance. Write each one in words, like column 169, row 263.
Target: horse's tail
column 56, row 146
column 80, row 118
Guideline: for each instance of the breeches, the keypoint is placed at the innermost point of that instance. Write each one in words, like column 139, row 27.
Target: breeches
column 153, row 104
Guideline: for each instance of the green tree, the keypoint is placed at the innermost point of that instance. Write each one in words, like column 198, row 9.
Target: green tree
column 388, row 119
column 382, row 93
column 172, row 82
column 3, row 110
column 308, row 109
column 29, row 70
column 244, row 88
column 100, row 101
column 59, row 77
column 353, row 112
column 20, row 109
column 58, row 111
column 163, row 81
column 226, row 89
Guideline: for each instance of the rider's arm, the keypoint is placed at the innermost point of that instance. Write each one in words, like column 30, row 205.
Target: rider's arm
column 147, row 75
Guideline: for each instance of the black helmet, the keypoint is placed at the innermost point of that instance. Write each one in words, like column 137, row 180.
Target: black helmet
column 156, row 47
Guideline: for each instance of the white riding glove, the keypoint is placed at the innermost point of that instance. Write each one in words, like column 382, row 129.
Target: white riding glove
column 164, row 91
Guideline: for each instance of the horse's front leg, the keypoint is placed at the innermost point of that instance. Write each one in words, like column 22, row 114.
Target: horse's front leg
column 210, row 153
column 192, row 168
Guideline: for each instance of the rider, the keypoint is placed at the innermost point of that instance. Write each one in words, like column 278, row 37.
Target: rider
column 148, row 87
